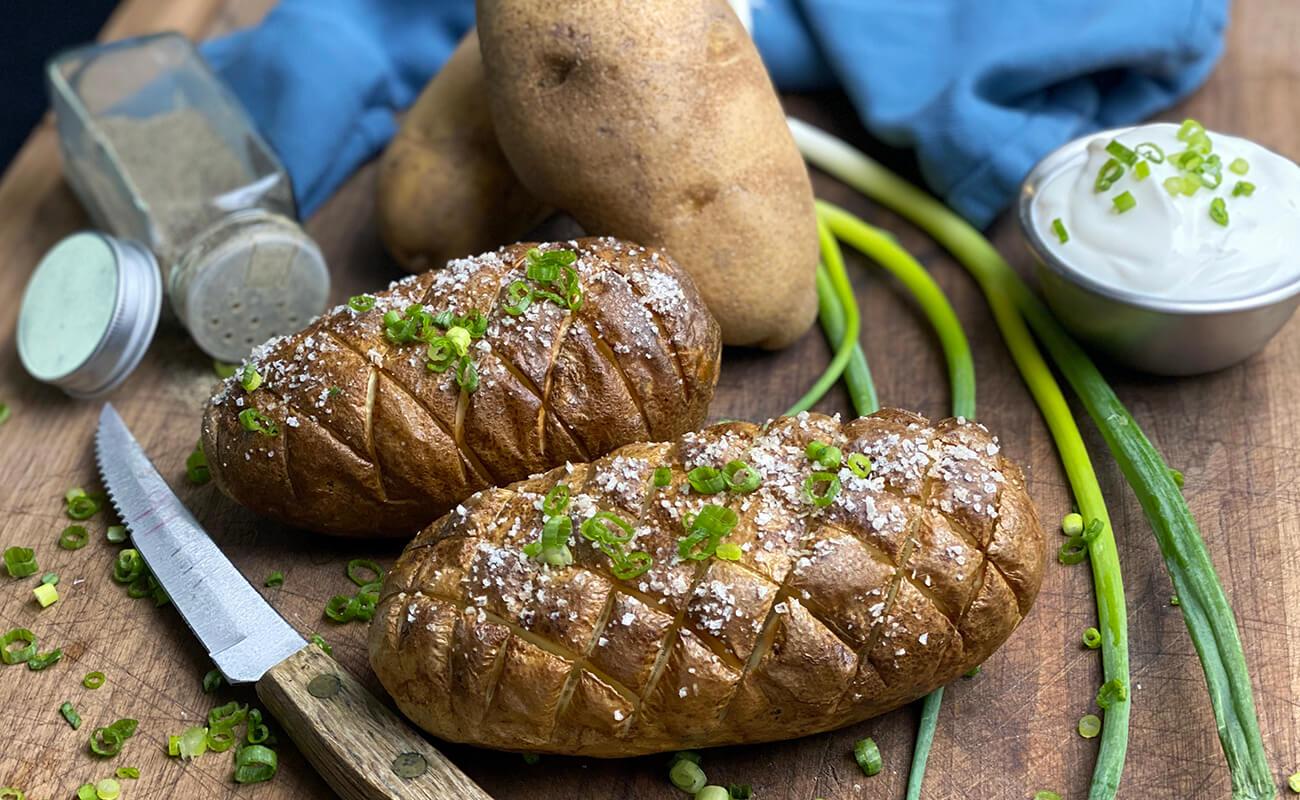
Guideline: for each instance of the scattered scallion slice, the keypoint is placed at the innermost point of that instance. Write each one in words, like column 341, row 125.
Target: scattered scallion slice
column 39, row 662
column 129, row 566
column 70, row 714
column 320, row 642
column 211, row 680
column 1111, row 692
column 131, row 773
column 1243, row 189
column 20, row 562
column 687, row 776
column 1142, row 171
column 93, row 680
column 1110, row 172
column 740, row 791
column 556, row 500
column 741, row 477
column 254, row 764
column 46, row 594
column 1123, row 202
column 712, row 793
column 1046, row 795
column 80, row 506
column 361, row 303
column 4, row 413
column 824, row 496
column 704, row 531
column 190, row 744
column 1239, row 166
column 51, row 578
column 728, row 551
column 196, row 466
column 361, row 571
column 108, row 789
column 1058, row 227
column 1072, row 524
column 26, row 641
column 250, row 378
column 224, row 369
column 663, row 476
column 255, row 421
column 1219, row 211
column 706, row 480
column 115, row 534
column 1089, row 726
column 1073, row 551
column 1122, row 153
column 1151, row 152
column 859, row 465
column 1293, row 782
column 867, row 754
column 86, row 791
column 1091, row 638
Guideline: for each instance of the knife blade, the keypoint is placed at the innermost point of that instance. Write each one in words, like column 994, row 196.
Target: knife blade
column 244, row 635
column 364, row 750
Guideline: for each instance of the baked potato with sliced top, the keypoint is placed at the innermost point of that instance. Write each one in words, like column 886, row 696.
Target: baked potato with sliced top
column 386, row 412
column 794, row 577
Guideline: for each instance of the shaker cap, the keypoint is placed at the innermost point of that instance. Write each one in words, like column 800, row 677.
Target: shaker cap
column 89, row 312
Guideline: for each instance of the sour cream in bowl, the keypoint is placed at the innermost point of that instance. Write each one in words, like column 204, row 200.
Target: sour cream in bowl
column 1173, row 249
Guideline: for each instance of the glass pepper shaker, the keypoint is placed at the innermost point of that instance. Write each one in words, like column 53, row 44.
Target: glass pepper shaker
column 161, row 153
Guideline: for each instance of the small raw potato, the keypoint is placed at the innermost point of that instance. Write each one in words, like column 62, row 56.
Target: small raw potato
column 909, row 575
column 657, row 122
column 366, row 438
column 445, row 187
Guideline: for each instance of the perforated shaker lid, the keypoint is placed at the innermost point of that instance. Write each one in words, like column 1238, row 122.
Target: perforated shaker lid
column 89, row 312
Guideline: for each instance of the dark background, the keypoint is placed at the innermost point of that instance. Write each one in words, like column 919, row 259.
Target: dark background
column 33, row 30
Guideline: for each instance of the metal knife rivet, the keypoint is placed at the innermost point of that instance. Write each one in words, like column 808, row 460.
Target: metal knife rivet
column 410, row 765
column 324, row 685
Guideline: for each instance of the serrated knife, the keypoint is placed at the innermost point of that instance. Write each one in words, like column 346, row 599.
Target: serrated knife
column 364, row 750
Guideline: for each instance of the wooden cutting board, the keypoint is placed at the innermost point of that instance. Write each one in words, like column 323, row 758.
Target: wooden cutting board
column 1005, row 734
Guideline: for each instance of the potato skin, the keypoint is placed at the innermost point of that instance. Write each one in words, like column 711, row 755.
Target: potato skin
column 661, row 125
column 373, row 443
column 910, row 577
column 445, row 188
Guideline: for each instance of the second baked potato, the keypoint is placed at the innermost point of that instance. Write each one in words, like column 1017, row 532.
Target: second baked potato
column 741, row 584
column 387, row 411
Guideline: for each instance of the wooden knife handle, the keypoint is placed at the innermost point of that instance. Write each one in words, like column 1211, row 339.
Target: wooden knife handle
column 364, row 750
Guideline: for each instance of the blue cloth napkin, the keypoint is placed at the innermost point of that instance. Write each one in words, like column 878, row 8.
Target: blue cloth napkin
column 981, row 90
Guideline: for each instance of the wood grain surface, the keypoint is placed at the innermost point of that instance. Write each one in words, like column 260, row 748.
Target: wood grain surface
column 1004, row 734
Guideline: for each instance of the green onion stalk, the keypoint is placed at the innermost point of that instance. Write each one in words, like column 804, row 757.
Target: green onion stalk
column 1204, row 606
column 881, row 248
column 833, row 287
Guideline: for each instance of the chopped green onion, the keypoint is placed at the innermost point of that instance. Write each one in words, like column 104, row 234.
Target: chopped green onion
column 73, row 537
column 1111, row 692
column 972, row 672
column 257, row 731
column 115, row 534
column 1293, row 782
column 460, row 339
column 1046, row 795
column 227, row 716
column 706, row 480
column 1094, row 529
column 663, row 476
column 704, row 531
column 606, row 527
column 223, row 369
column 86, row 791
column 275, row 579
column 1189, row 129
column 1177, row 185
column 107, row 742
column 255, row 421
column 867, row 755
column 129, row 566
column 740, row 791
column 467, row 375
column 826, row 496
column 1074, row 551
column 556, row 500
column 17, row 655
column 687, row 776
column 132, row 773
column 1174, row 601
column 519, row 296
column 728, row 551
column 545, row 267
column 320, row 642
column 108, row 789
column 1123, row 202
column 93, row 680
column 70, row 714
column 211, row 680
column 1058, row 227
column 250, row 378
column 1089, row 726
column 712, row 793
column 81, row 506
column 220, row 740
column 192, row 743
column 196, row 466
column 1072, row 524
column 20, row 562
column 1110, row 172
column 254, row 764
column 1243, row 189
column 46, row 594
column 1239, row 166
column 859, row 465
column 10, row 793
column 39, row 662
column 741, row 477
column 1151, row 152
column 361, row 303
column 1091, row 638
column 814, row 449
column 631, row 565
column 1218, row 211
column 4, row 413
column 1142, row 171
column 357, row 569
column 1119, row 151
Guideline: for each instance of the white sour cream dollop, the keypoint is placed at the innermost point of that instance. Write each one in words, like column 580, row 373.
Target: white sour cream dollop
column 1169, row 247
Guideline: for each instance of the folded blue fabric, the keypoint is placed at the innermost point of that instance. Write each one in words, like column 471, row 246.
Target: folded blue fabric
column 980, row 90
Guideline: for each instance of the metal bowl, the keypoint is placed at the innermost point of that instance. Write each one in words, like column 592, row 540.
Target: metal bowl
column 1152, row 334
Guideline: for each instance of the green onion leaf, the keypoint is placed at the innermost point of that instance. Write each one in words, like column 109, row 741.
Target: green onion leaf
column 192, row 743
column 606, row 527
column 867, row 755
column 39, row 662
column 225, row 717
column 556, row 500
column 70, row 714
column 250, row 378
column 741, row 477
column 320, row 642
column 704, row 531
column 361, row 303
column 1120, row 152
column 212, row 680
column 663, row 476
column 1239, row 166
column 546, row 267
column 26, row 641
column 1243, row 189
column 1110, row 172
column 1091, row 638
column 518, row 298
column 82, row 507
column 128, row 566
column 1058, row 228
column 219, row 741
column 1218, row 211
column 859, row 465
column 706, row 480
column 1151, row 152
column 1123, row 202
column 358, row 569
column 93, row 680
column 254, row 764
column 20, row 562
column 467, row 375
column 632, row 565
column 1074, row 551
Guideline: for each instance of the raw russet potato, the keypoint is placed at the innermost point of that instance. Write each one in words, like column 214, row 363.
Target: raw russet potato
column 909, row 577
column 445, row 189
column 369, row 441
column 657, row 122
